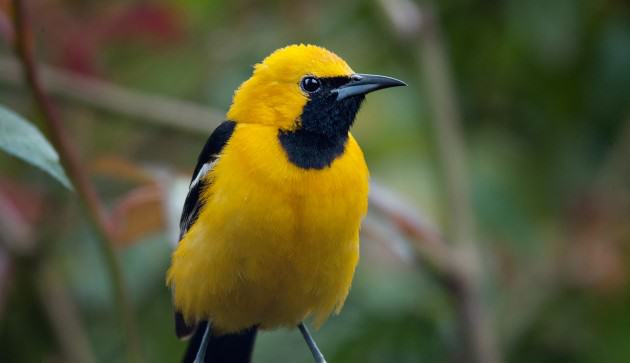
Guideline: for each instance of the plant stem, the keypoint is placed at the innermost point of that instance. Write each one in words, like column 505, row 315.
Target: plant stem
column 419, row 27
column 70, row 160
column 62, row 313
column 475, row 323
column 137, row 106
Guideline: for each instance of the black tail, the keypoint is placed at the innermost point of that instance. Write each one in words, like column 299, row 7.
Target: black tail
column 230, row 348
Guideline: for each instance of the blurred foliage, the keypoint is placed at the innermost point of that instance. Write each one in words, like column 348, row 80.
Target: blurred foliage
column 543, row 88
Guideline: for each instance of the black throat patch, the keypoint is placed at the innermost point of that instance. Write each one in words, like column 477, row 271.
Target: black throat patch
column 324, row 125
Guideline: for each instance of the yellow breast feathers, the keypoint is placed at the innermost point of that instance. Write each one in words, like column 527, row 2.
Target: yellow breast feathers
column 274, row 242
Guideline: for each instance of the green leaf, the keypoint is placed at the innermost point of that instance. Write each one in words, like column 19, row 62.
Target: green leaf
column 23, row 140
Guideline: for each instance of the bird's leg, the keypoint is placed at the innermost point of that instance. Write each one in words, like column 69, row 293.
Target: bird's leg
column 317, row 354
column 201, row 353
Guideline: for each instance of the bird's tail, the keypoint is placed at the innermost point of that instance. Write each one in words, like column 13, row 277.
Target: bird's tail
column 229, row 348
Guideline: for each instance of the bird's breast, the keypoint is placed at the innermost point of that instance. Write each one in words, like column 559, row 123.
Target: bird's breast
column 274, row 242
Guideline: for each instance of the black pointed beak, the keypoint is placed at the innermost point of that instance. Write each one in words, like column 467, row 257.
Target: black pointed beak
column 361, row 84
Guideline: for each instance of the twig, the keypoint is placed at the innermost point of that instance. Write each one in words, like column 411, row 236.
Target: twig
column 107, row 96
column 427, row 241
column 70, row 161
column 414, row 24
column 62, row 314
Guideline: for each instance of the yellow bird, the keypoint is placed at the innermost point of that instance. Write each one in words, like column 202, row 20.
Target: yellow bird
column 270, row 226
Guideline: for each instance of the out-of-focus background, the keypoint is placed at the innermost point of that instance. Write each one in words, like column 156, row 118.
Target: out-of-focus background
column 499, row 227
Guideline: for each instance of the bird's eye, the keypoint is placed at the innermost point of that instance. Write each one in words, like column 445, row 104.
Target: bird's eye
column 310, row 84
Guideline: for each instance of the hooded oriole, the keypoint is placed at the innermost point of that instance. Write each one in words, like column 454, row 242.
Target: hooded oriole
column 270, row 226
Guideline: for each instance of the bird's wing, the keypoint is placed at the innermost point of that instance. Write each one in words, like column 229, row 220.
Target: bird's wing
column 192, row 206
column 207, row 159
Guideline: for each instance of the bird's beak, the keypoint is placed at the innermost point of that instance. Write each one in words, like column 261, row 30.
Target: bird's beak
column 361, row 84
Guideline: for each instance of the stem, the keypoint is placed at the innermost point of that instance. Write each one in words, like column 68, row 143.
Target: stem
column 137, row 106
column 425, row 238
column 419, row 25
column 62, row 314
column 77, row 174
column 474, row 318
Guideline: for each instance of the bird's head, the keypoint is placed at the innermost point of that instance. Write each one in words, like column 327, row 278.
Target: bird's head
column 304, row 87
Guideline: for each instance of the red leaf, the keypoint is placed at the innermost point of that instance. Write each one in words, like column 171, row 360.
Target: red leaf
column 138, row 214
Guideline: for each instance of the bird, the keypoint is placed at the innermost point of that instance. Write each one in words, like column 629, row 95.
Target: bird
column 269, row 232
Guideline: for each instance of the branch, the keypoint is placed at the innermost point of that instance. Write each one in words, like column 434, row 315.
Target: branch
column 182, row 115
column 427, row 241
column 420, row 29
column 70, row 161
column 62, row 314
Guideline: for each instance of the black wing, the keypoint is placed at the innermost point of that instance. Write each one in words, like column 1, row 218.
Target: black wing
column 209, row 154
column 192, row 206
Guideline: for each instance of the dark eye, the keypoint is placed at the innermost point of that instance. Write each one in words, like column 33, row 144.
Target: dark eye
column 310, row 84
